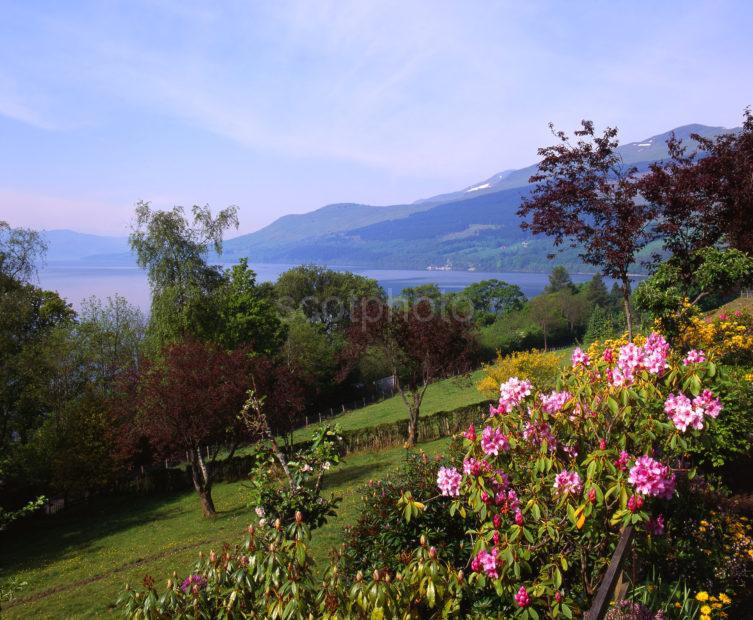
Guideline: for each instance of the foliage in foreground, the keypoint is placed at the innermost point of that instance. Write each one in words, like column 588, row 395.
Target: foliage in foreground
column 545, row 488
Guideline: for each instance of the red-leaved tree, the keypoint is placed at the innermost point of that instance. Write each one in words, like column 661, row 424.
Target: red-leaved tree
column 420, row 344
column 586, row 196
column 704, row 194
column 188, row 402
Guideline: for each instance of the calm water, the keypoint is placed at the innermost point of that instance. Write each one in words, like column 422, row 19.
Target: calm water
column 77, row 281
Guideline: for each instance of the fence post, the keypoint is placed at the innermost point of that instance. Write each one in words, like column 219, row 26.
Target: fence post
column 343, row 406
column 307, row 420
column 320, row 417
column 600, row 604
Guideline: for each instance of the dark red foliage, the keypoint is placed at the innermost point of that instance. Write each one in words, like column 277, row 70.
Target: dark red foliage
column 586, row 196
column 192, row 397
column 705, row 196
column 283, row 392
column 420, row 343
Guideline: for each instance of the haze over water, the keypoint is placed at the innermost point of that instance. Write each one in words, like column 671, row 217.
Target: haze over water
column 76, row 281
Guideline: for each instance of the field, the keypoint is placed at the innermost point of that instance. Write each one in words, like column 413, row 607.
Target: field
column 75, row 564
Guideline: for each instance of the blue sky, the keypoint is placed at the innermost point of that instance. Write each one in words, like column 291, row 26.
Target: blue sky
column 282, row 107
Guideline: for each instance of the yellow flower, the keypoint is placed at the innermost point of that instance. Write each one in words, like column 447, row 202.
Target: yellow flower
column 725, row 599
column 705, row 617
column 702, row 597
column 706, row 610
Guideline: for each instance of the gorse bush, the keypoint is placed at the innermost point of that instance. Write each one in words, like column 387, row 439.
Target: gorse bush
column 539, row 367
column 725, row 337
column 543, row 491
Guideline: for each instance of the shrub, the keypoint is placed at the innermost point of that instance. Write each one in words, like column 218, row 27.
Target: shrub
column 552, row 477
column 278, row 494
column 536, row 366
column 382, row 539
column 271, row 576
column 726, row 338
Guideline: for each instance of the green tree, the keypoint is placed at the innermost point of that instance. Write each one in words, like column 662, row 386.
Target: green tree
column 546, row 312
column 246, row 313
column 491, row 298
column 559, row 280
column 717, row 272
column 174, row 251
column 596, row 292
column 325, row 296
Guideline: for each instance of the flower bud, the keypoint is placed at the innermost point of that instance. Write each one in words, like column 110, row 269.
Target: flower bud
column 432, row 552
column 359, row 576
column 278, row 524
column 212, row 557
column 298, row 517
column 169, row 584
column 422, row 540
column 460, row 576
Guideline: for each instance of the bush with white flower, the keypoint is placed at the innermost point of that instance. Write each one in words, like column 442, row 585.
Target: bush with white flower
column 280, row 490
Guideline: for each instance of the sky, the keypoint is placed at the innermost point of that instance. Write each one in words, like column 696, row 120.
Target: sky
column 282, row 107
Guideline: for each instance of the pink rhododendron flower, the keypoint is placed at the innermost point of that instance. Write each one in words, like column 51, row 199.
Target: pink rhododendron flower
column 622, row 460
column 650, row 477
column 554, row 401
column 712, row 407
column 682, row 412
column 694, row 356
column 738, row 314
column 538, row 433
column 522, row 598
column 580, row 358
column 518, row 517
column 568, row 482
column 474, row 467
column 655, row 353
column 448, row 481
column 470, row 434
column 608, row 356
column 508, row 502
column 630, row 358
column 493, row 441
column 486, row 562
column 616, row 378
column 511, row 394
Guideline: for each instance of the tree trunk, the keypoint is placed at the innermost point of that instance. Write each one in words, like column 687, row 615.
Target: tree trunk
column 628, row 311
column 202, row 481
column 412, row 427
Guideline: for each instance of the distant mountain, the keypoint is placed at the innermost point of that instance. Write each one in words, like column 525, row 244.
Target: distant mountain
column 476, row 227
column 67, row 245
column 473, row 228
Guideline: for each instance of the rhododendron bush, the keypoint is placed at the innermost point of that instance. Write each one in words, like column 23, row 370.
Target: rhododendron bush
column 544, row 486
column 550, row 478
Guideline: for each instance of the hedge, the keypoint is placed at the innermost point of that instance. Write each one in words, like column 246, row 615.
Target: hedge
column 430, row 427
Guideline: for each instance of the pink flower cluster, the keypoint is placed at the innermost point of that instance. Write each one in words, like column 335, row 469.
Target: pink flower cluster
column 652, row 357
column 555, row 401
column 538, row 433
column 448, row 481
column 474, row 467
column 622, row 461
column 694, row 356
column 511, row 394
column 568, row 482
column 683, row 412
column 508, row 502
column 580, row 358
column 522, row 598
column 650, row 477
column 486, row 562
column 493, row 441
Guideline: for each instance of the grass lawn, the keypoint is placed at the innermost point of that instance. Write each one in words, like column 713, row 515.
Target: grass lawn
column 440, row 396
column 77, row 563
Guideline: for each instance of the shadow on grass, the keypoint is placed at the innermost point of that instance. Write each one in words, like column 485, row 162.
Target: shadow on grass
column 75, row 531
